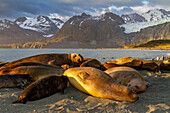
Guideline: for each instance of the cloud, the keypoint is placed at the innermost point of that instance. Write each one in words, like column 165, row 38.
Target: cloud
column 68, row 8
column 145, row 7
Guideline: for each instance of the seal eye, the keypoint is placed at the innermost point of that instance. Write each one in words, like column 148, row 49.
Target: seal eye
column 128, row 85
column 137, row 87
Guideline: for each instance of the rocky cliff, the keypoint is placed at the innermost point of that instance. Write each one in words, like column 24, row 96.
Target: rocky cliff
column 92, row 31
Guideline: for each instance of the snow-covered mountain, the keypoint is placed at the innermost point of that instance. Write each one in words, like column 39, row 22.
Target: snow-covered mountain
column 43, row 24
column 5, row 24
column 156, row 15
column 133, row 18
column 152, row 18
column 10, row 33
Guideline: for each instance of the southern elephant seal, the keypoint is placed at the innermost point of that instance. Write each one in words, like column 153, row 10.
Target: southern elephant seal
column 127, row 61
column 165, row 65
column 149, row 65
column 43, row 88
column 99, row 84
column 13, row 81
column 18, row 64
column 37, row 72
column 129, row 77
column 106, row 66
column 90, row 62
column 52, row 59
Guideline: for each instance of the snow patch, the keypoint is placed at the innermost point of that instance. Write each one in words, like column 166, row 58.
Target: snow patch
column 47, row 36
column 135, row 27
column 111, row 18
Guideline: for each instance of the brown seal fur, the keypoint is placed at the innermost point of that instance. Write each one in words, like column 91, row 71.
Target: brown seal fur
column 13, row 81
column 165, row 65
column 129, row 77
column 52, row 59
column 127, row 61
column 3, row 63
column 43, row 88
column 99, row 84
column 149, row 65
column 90, row 62
column 36, row 71
column 106, row 66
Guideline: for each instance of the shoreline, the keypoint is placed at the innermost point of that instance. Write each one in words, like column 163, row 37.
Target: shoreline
column 96, row 48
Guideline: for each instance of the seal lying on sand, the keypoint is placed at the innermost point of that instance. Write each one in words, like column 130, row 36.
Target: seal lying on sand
column 90, row 62
column 43, row 88
column 127, row 61
column 165, row 65
column 18, row 64
column 13, row 81
column 106, row 66
column 37, row 72
column 99, row 84
column 128, row 77
column 53, row 59
column 149, row 65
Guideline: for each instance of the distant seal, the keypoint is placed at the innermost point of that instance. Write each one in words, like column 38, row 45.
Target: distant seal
column 165, row 65
column 14, row 81
column 106, row 66
column 37, row 72
column 90, row 62
column 52, row 59
column 127, row 61
column 128, row 77
column 99, row 84
column 149, row 65
column 43, row 88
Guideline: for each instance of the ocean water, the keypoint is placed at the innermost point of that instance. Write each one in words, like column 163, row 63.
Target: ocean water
column 103, row 55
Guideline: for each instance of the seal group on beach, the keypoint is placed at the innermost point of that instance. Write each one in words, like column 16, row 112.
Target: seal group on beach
column 111, row 80
column 99, row 84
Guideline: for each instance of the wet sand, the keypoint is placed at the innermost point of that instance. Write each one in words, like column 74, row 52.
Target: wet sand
column 155, row 99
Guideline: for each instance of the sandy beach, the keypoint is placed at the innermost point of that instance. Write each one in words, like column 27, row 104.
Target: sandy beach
column 155, row 99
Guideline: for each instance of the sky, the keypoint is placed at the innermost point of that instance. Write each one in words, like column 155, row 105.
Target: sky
column 64, row 9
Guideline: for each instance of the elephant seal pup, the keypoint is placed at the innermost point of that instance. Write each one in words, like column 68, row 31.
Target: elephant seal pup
column 42, row 88
column 99, row 84
column 13, row 81
column 129, row 77
column 127, row 61
column 37, row 72
column 52, row 59
column 90, row 62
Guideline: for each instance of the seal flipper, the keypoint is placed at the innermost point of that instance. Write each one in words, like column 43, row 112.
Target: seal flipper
column 20, row 101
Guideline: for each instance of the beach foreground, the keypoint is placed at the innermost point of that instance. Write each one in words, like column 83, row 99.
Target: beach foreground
column 155, row 99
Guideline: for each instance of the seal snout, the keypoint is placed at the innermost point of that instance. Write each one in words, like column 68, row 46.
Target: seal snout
column 134, row 96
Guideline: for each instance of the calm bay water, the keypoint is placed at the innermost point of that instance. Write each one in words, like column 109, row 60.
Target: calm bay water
column 102, row 55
